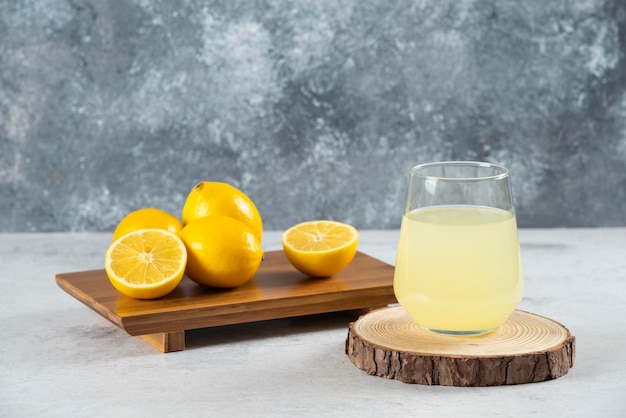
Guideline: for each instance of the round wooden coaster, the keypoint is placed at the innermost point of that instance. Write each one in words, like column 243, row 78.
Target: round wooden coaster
column 527, row 348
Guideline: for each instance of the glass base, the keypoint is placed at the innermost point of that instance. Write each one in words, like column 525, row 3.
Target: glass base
column 470, row 333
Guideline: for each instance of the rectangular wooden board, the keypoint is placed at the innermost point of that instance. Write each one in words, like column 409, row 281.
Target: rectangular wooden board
column 276, row 291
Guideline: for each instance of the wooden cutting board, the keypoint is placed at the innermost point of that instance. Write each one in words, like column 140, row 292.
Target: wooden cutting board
column 276, row 291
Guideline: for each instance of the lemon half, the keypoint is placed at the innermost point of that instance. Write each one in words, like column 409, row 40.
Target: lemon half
column 146, row 264
column 320, row 248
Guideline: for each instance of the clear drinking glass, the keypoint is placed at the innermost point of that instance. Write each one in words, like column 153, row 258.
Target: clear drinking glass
column 458, row 268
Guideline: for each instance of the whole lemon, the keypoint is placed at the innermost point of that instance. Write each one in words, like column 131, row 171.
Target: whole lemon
column 147, row 218
column 221, row 251
column 217, row 198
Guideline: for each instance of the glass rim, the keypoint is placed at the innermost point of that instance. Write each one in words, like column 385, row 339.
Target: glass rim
column 415, row 171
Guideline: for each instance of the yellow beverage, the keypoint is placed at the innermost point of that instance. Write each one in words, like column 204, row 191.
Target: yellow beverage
column 458, row 268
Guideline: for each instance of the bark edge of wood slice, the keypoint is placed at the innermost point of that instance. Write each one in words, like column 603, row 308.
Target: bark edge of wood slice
column 527, row 348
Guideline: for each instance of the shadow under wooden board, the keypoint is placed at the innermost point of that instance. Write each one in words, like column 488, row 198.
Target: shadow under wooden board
column 276, row 291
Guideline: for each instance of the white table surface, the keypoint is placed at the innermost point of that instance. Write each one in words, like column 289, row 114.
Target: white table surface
column 59, row 358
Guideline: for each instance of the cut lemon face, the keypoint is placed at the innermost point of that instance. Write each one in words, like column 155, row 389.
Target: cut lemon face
column 320, row 248
column 146, row 264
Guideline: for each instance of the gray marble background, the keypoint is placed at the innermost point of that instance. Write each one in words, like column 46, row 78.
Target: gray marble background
column 316, row 109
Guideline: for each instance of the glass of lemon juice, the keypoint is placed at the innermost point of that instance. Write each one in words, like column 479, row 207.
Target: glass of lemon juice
column 458, row 269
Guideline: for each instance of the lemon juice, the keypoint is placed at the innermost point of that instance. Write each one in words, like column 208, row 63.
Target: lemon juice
column 458, row 268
